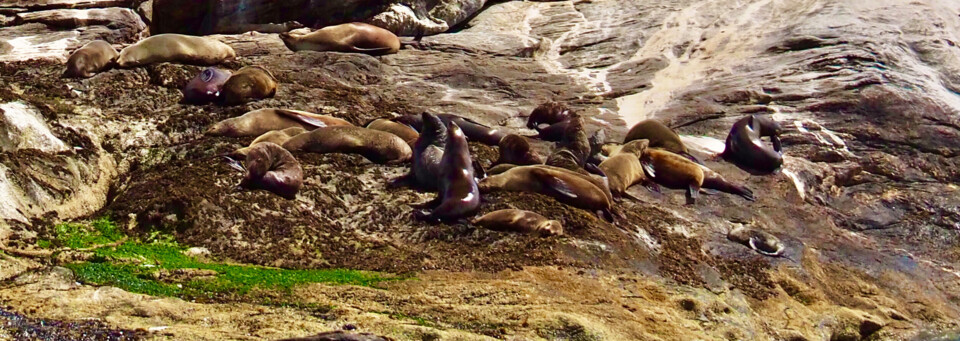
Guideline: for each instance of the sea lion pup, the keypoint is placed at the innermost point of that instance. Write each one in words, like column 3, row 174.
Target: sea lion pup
column 674, row 171
column 764, row 243
column 515, row 149
column 660, row 136
column 514, row 220
column 92, row 58
column 250, row 83
column 349, row 37
column 714, row 181
column 271, row 167
column 548, row 113
column 474, row 130
column 401, row 130
column 260, row 121
column 175, row 48
column 206, row 86
column 276, row 136
column 566, row 186
column 459, row 195
column 623, row 169
column 427, row 154
column 745, row 148
column 377, row 146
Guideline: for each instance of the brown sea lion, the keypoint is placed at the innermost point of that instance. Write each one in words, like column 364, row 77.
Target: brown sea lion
column 674, row 171
column 474, row 130
column 260, row 121
column 206, row 87
column 660, row 136
column 276, row 136
column 377, row 146
column 758, row 240
column 349, row 37
column 459, row 195
column 401, row 130
column 92, row 58
column 548, row 113
column 745, row 148
column 250, row 83
column 270, row 167
column 623, row 169
column 568, row 187
column 514, row 220
column 515, row 149
column 175, row 48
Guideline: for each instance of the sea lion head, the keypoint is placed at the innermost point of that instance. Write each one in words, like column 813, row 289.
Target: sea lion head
column 206, row 86
column 549, row 113
column 636, row 147
column 250, row 83
column 768, row 127
column 550, row 228
column 432, row 128
column 223, row 128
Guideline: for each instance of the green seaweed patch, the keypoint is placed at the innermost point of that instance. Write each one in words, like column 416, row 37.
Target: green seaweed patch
column 140, row 267
column 78, row 236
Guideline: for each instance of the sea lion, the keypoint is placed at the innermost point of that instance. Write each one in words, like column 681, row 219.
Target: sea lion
column 349, row 37
column 553, row 132
column 713, row 180
column 566, row 186
column 745, row 148
column 260, row 121
column 401, row 130
column 276, row 136
column 674, row 171
column 92, row 58
column 377, row 146
column 515, row 149
column 250, row 83
column 271, row 167
column 175, row 48
column 623, row 169
column 597, row 140
column 206, row 86
column 660, row 136
column 764, row 243
column 427, row 154
column 519, row 221
column 474, row 130
column 548, row 113
column 459, row 195
column 575, row 139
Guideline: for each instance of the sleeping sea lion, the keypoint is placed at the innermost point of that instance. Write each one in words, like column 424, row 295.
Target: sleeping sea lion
column 713, row 180
column 250, row 83
column 206, row 86
column 175, row 48
column 377, row 146
column 673, row 171
column 623, row 169
column 548, row 113
column 760, row 241
column 276, row 136
column 459, row 195
column 260, row 121
column 401, row 130
column 349, row 37
column 660, row 136
column 92, row 58
column 566, row 186
column 745, row 148
column 474, row 130
column 514, row 220
column 270, row 167
column 515, row 149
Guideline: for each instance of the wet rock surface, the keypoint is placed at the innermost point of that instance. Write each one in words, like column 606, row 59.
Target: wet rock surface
column 866, row 205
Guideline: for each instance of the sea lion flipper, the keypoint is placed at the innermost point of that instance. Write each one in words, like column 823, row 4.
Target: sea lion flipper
column 592, row 168
column 302, row 118
column 691, row 157
column 693, row 192
column 629, row 196
column 708, row 191
column 777, row 146
column 647, row 163
column 235, row 164
column 478, row 171
column 559, row 186
column 653, row 187
column 374, row 50
column 746, row 193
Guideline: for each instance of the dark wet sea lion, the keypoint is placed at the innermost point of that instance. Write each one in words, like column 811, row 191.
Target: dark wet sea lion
column 660, row 136
column 575, row 139
column 623, row 169
column 674, row 171
column 92, row 58
column 566, row 186
column 272, row 168
column 760, row 241
column 206, row 86
column 548, row 113
column 276, row 136
column 513, row 220
column 515, row 149
column 553, row 132
column 377, row 146
column 258, row 122
column 459, row 195
column 401, row 130
column 713, row 180
column 427, row 154
column 745, row 148
column 349, row 37
column 474, row 130
column 175, row 48
column 250, row 83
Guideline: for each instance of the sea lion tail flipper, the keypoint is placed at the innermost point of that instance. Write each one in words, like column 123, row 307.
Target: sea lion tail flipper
column 708, row 191
column 303, row 118
column 653, row 187
column 746, row 193
column 691, row 157
column 372, row 50
column 559, row 186
column 478, row 171
column 235, row 164
column 592, row 168
column 629, row 196
column 777, row 145
column 693, row 192
column 647, row 163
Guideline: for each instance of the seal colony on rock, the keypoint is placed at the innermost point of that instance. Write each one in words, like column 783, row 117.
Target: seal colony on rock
column 349, row 37
column 377, row 146
column 513, row 220
column 92, row 58
column 258, row 122
column 660, row 136
column 745, row 148
column 272, row 168
column 459, row 194
column 250, row 83
column 175, row 48
column 206, row 87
